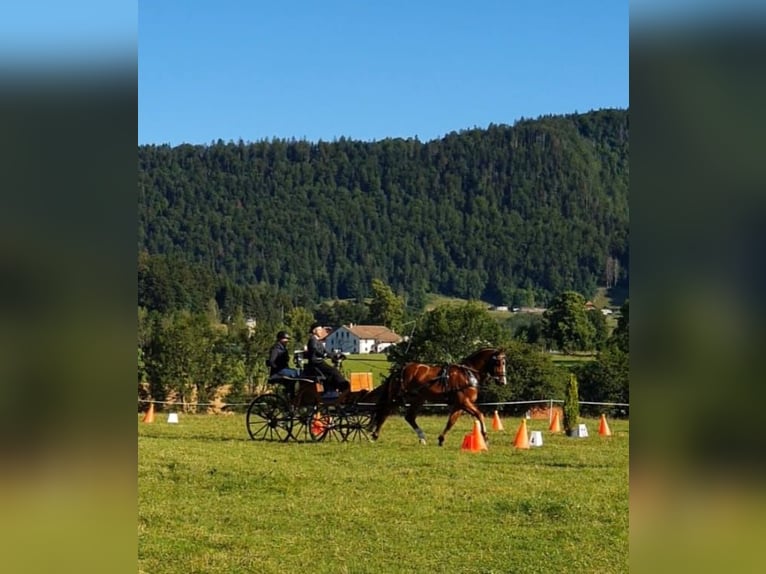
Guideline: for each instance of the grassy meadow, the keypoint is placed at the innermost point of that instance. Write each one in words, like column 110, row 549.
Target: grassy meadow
column 213, row 501
column 374, row 363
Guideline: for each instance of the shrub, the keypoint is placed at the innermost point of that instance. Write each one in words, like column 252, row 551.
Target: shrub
column 571, row 406
column 605, row 380
column 531, row 377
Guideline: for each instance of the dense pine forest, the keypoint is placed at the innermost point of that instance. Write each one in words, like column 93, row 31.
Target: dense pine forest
column 508, row 214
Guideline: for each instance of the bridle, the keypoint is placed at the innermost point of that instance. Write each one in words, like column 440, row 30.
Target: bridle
column 489, row 370
column 494, row 362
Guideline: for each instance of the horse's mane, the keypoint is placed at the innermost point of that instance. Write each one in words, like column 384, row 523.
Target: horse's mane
column 473, row 355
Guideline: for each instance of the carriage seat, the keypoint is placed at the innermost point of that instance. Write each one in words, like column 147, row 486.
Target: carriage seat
column 330, row 395
column 319, row 378
column 310, row 374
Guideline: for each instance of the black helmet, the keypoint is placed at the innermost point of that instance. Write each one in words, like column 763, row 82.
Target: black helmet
column 283, row 335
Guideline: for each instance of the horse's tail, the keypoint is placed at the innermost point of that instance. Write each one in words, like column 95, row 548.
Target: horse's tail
column 394, row 385
column 389, row 393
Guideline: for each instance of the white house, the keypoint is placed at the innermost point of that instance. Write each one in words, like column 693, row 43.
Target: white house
column 360, row 339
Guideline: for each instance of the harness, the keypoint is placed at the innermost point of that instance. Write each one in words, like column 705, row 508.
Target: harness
column 442, row 379
column 472, row 376
column 473, row 380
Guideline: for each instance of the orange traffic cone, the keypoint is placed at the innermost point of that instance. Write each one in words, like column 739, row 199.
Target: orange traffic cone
column 317, row 425
column 478, row 439
column 522, row 437
column 497, row 424
column 149, row 416
column 555, row 424
column 603, row 427
column 467, row 442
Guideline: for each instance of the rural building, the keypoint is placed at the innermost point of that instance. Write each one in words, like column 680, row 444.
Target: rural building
column 361, row 339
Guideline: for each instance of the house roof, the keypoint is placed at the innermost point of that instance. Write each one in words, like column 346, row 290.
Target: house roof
column 379, row 333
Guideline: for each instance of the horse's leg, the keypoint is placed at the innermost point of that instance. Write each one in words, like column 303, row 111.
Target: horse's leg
column 470, row 408
column 379, row 417
column 382, row 411
column 384, row 406
column 412, row 412
column 451, row 420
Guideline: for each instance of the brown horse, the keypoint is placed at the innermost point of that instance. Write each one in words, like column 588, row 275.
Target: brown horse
column 456, row 384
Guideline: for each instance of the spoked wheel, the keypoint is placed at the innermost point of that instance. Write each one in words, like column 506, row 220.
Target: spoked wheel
column 355, row 425
column 269, row 418
column 325, row 424
column 302, row 423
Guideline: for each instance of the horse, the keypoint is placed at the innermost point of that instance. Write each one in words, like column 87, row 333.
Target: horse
column 456, row 384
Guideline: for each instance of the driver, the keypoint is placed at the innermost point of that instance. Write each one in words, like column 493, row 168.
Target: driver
column 315, row 355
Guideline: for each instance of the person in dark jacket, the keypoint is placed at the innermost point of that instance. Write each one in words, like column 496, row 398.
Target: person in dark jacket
column 315, row 355
column 279, row 357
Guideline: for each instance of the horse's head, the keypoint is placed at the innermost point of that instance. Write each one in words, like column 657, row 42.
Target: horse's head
column 496, row 367
column 490, row 363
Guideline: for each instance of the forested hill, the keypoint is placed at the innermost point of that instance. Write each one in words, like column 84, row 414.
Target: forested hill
column 509, row 214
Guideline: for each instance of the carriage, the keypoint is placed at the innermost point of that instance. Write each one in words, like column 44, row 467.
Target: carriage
column 302, row 410
column 298, row 408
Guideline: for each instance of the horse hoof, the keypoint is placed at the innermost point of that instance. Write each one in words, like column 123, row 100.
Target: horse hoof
column 441, row 441
column 422, row 441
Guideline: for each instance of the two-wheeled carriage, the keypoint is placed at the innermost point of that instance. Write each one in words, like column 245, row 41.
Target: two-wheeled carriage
column 300, row 408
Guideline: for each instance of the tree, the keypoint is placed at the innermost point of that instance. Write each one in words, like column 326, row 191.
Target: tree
column 606, row 380
column 386, row 307
column 298, row 320
column 600, row 330
column 566, row 324
column 227, row 367
column 341, row 313
column 492, row 221
column 254, row 346
column 144, row 337
column 178, row 348
column 449, row 333
column 212, row 312
column 528, row 328
column 531, row 376
column 620, row 336
column 571, row 406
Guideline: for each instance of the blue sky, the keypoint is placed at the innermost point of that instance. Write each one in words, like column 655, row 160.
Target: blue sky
column 50, row 32
column 367, row 70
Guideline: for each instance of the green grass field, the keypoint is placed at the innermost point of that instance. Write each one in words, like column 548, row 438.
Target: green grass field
column 213, row 501
column 368, row 363
column 566, row 361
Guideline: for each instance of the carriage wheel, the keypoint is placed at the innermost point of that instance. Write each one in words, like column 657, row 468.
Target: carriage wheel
column 325, row 424
column 355, row 426
column 269, row 418
column 302, row 423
